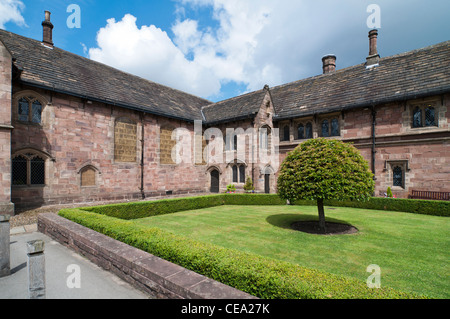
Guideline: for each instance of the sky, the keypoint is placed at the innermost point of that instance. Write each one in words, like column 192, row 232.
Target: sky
column 218, row 49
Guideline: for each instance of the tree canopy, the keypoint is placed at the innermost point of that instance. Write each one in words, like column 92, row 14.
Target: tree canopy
column 321, row 169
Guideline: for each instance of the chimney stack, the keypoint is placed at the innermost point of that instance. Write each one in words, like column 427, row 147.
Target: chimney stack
column 47, row 27
column 329, row 63
column 374, row 58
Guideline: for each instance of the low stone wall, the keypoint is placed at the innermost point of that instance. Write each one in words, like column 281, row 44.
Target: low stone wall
column 158, row 277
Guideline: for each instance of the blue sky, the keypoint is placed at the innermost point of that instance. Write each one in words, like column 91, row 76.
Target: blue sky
column 218, row 49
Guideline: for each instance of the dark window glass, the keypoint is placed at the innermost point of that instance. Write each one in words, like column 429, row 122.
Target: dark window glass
column 430, row 119
column 36, row 112
column 235, row 174
column 417, row 117
column 37, row 171
column 308, row 132
column 398, row 176
column 23, row 109
column 300, row 132
column 335, row 127
column 235, row 142
column 325, row 128
column 242, row 174
column 286, row 133
column 19, row 171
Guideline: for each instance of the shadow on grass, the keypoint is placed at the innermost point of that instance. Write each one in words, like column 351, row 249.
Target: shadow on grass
column 286, row 220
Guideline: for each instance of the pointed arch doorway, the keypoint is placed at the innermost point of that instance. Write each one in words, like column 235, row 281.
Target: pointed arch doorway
column 214, row 181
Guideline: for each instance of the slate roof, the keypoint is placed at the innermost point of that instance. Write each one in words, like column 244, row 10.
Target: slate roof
column 410, row 75
column 233, row 109
column 65, row 72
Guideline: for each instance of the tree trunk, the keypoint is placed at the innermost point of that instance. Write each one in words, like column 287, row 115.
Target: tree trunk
column 322, row 225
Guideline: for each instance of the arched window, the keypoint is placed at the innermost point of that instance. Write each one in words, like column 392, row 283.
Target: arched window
column 300, row 131
column 29, row 110
column 264, row 137
column 397, row 172
column 308, row 131
column 335, row 127
column 242, row 173
column 28, row 170
column 238, row 171
column 235, row 173
column 325, row 128
column 88, row 177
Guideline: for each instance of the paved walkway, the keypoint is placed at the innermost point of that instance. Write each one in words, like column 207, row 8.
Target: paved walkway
column 95, row 283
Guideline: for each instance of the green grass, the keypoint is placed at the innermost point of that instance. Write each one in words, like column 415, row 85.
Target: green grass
column 412, row 250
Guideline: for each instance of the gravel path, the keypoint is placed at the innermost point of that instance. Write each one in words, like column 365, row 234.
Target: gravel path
column 29, row 217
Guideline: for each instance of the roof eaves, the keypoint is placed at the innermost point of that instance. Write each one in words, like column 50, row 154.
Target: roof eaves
column 403, row 97
column 110, row 102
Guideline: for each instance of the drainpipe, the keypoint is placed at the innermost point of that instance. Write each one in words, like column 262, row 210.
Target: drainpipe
column 253, row 155
column 142, row 155
column 374, row 117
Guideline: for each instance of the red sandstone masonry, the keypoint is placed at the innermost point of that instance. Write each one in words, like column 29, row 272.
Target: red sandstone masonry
column 149, row 273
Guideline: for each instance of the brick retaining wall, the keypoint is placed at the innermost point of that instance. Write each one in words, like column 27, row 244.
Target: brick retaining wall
column 147, row 272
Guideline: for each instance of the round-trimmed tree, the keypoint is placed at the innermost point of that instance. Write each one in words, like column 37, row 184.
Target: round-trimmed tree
column 321, row 169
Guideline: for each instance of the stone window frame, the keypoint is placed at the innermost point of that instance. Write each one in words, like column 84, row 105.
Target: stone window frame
column 29, row 154
column 130, row 121
column 238, row 165
column 171, row 128
column 304, row 122
column 423, row 107
column 31, row 96
column 390, row 165
column 85, row 168
column 268, row 140
column 283, row 132
column 330, row 120
column 440, row 115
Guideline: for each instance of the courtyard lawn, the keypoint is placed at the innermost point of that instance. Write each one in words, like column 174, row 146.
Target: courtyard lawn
column 411, row 250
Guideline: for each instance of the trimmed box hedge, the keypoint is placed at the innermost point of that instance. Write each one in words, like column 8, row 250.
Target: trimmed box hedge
column 262, row 277
column 144, row 209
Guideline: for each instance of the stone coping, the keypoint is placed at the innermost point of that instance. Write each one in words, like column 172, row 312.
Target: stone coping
column 155, row 276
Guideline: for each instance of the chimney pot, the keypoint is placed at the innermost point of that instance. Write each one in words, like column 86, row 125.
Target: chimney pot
column 329, row 63
column 47, row 29
column 374, row 58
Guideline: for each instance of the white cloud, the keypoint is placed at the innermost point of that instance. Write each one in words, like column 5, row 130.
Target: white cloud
column 150, row 53
column 253, row 43
column 10, row 11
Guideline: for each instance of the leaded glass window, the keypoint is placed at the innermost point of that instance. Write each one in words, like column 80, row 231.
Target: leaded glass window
column 417, row 117
column 325, row 128
column 24, row 107
column 235, row 174
column 36, row 112
column 19, row 171
column 335, row 127
column 308, row 131
column 424, row 116
column 28, row 169
column 397, row 176
column 242, row 174
column 430, row 119
column 300, row 131
column 29, row 110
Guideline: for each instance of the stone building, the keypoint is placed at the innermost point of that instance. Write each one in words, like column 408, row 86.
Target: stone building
column 74, row 130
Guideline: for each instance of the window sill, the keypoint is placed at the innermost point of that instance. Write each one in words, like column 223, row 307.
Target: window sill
column 28, row 186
